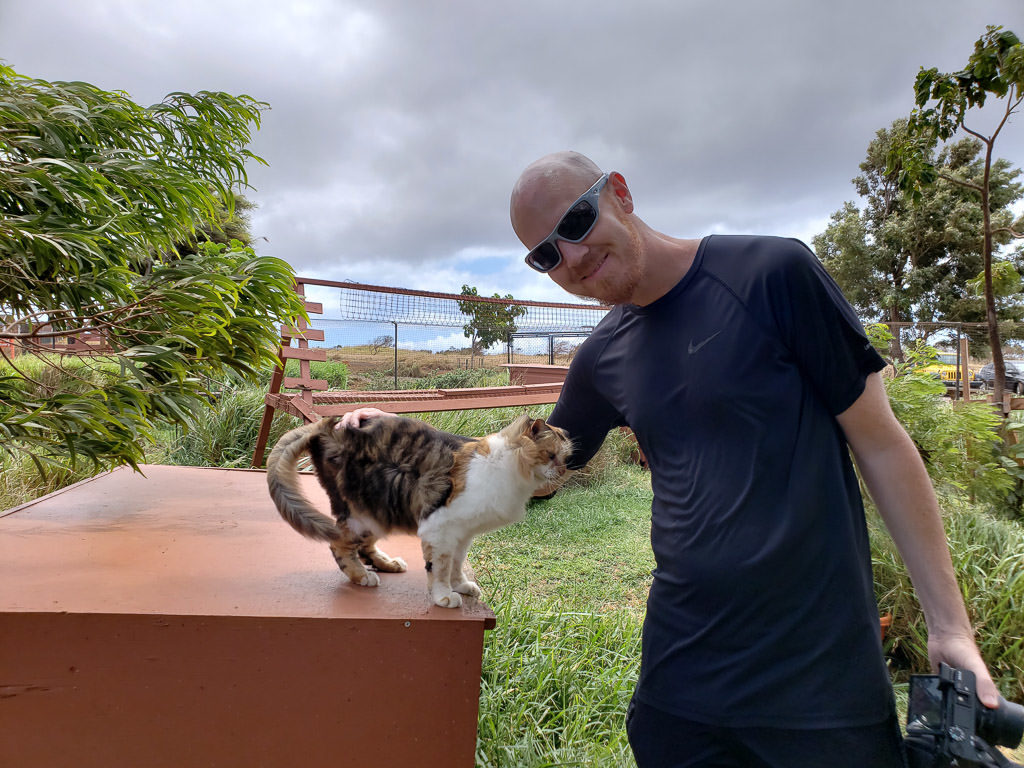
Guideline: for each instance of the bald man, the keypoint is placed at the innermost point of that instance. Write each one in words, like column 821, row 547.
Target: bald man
column 748, row 381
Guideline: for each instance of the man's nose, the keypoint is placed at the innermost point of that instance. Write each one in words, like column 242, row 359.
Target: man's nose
column 572, row 252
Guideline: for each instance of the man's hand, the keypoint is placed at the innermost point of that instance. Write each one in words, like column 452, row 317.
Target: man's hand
column 353, row 419
column 962, row 653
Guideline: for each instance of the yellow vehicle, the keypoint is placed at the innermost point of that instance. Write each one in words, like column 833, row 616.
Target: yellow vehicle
column 945, row 369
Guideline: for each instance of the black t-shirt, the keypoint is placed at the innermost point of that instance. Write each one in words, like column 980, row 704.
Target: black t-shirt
column 762, row 611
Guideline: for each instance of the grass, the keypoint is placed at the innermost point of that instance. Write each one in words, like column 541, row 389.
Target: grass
column 587, row 547
column 988, row 558
column 555, row 686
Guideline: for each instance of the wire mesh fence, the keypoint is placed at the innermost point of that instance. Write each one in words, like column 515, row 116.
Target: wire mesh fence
column 386, row 334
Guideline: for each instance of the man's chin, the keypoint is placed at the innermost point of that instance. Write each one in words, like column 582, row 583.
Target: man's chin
column 609, row 295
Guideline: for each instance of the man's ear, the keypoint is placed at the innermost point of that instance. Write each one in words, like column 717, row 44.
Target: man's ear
column 621, row 191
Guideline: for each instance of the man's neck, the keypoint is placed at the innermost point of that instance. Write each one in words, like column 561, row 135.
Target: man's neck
column 668, row 259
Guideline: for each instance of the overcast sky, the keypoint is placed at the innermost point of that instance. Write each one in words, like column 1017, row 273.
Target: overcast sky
column 396, row 129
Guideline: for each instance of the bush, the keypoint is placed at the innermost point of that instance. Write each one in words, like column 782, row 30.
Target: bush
column 460, row 378
column 959, row 443
column 43, row 374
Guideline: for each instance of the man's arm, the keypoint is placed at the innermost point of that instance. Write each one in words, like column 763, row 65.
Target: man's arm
column 902, row 491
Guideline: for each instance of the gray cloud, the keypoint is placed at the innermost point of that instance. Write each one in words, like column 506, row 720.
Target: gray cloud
column 396, row 129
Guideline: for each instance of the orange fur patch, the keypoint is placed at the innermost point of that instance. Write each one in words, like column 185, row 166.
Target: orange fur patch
column 460, row 467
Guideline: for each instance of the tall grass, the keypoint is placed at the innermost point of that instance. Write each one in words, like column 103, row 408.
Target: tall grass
column 555, row 685
column 988, row 557
column 224, row 436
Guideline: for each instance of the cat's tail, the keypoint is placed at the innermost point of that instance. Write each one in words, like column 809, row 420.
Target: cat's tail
column 283, row 481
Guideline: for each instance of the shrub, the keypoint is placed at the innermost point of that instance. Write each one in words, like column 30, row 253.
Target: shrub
column 959, row 443
column 335, row 373
column 464, row 377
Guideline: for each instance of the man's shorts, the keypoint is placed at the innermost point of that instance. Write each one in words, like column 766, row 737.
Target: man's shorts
column 662, row 740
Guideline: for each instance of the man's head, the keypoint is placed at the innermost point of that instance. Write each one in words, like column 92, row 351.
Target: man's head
column 604, row 262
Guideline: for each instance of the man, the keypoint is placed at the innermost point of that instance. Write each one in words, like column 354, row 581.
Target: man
column 745, row 376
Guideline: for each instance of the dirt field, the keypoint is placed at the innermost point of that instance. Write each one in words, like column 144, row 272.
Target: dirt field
column 365, row 363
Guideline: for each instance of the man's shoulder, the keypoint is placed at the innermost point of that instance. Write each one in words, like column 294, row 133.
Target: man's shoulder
column 763, row 247
column 590, row 349
column 744, row 260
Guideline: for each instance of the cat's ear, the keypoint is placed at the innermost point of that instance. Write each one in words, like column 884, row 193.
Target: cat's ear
column 519, row 427
column 538, row 426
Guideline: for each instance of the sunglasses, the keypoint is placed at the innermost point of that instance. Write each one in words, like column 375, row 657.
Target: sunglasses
column 574, row 225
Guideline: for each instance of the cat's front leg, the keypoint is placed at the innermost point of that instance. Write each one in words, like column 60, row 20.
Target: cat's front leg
column 438, row 562
column 460, row 582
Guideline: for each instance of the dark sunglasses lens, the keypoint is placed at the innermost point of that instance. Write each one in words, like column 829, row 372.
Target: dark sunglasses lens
column 577, row 221
column 545, row 257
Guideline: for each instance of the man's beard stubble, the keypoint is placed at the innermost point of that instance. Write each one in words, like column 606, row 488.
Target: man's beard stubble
column 623, row 291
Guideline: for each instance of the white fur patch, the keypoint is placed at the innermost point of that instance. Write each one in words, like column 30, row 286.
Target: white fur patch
column 495, row 495
column 363, row 526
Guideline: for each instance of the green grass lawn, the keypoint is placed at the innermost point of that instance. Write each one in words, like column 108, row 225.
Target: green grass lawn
column 586, row 547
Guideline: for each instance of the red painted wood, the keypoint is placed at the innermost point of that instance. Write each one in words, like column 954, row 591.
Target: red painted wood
column 175, row 620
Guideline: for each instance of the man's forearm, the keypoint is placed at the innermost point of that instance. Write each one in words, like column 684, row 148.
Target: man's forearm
column 902, row 491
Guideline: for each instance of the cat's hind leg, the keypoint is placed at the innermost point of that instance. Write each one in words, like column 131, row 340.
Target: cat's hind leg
column 346, row 551
column 372, row 554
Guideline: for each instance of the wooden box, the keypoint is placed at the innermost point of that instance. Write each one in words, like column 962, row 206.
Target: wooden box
column 175, row 620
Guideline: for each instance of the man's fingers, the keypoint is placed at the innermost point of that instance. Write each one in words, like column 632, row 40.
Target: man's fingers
column 353, row 419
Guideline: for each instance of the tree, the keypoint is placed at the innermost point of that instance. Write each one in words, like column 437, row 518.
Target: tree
column 98, row 198
column 381, row 342
column 996, row 68
column 489, row 322
column 898, row 261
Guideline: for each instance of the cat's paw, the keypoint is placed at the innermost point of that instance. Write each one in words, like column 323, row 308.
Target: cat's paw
column 396, row 565
column 370, row 579
column 470, row 588
column 449, row 600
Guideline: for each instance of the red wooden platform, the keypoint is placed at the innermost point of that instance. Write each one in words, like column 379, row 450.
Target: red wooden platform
column 535, row 373
column 176, row 620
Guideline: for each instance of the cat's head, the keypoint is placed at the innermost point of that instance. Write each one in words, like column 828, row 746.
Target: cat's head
column 542, row 449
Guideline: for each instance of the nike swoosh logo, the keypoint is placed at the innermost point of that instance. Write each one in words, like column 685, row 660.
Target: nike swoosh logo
column 696, row 347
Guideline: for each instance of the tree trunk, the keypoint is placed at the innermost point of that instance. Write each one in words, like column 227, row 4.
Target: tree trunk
column 998, row 365
column 896, row 345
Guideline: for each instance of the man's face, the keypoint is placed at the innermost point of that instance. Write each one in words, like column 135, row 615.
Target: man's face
column 605, row 265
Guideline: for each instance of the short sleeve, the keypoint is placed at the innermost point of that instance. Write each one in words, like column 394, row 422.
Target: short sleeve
column 582, row 411
column 818, row 326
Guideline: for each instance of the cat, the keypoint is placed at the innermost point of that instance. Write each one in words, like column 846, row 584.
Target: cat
column 400, row 474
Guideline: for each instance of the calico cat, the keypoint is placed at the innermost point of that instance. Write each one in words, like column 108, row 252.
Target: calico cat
column 400, row 474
